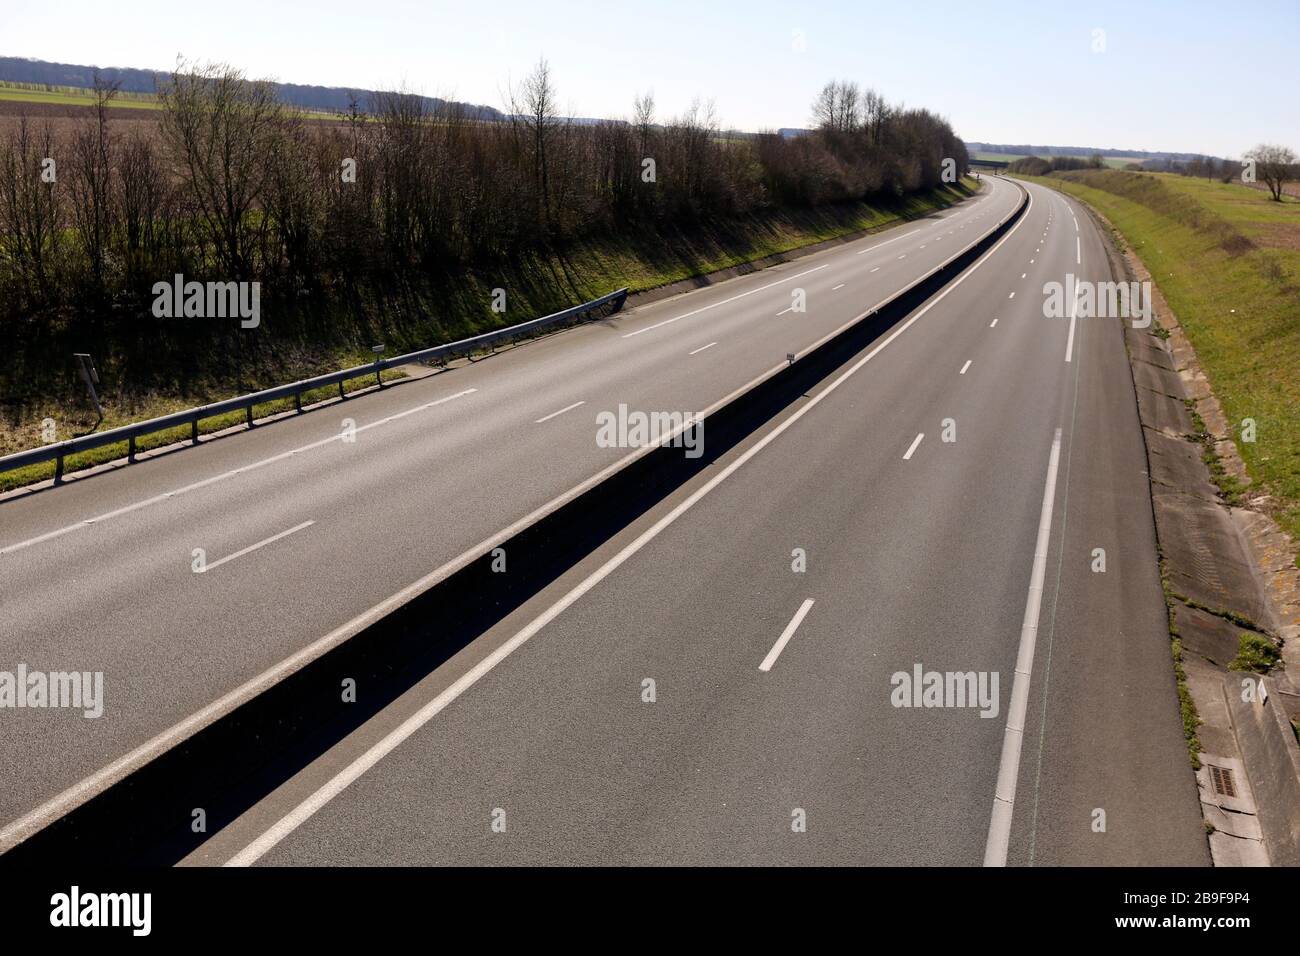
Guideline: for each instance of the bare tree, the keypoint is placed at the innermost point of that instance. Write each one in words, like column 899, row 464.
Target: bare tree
column 837, row 107
column 144, row 196
column 533, row 106
column 221, row 127
column 31, row 211
column 848, row 116
column 91, row 180
column 643, row 117
column 1273, row 164
column 826, row 106
column 875, row 114
column 405, row 181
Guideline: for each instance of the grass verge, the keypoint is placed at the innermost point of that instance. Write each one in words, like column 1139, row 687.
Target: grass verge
column 1256, row 654
column 1227, row 260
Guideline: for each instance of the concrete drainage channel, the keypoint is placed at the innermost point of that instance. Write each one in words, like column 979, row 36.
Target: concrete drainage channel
column 144, row 819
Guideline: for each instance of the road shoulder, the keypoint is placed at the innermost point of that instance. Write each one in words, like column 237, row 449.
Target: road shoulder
column 1227, row 583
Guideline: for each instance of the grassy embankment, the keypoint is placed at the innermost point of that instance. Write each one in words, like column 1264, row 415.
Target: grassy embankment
column 1227, row 260
column 458, row 308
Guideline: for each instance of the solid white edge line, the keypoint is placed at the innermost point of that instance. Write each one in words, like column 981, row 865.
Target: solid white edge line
column 1074, row 311
column 253, row 547
column 1004, row 794
column 907, row 456
column 1078, row 250
column 344, row 778
column 784, row 639
column 566, row 408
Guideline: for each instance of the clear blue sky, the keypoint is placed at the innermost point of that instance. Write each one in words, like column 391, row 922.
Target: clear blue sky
column 1178, row 75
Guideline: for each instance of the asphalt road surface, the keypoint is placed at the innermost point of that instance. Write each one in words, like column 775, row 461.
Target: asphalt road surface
column 718, row 683
column 307, row 527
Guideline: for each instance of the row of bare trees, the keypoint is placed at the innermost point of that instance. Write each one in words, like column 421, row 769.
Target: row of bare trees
column 232, row 184
column 874, row 147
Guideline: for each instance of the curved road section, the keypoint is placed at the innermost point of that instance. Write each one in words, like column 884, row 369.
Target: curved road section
column 192, row 581
column 761, row 669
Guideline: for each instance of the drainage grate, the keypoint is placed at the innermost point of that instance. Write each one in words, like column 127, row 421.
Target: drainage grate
column 1224, row 784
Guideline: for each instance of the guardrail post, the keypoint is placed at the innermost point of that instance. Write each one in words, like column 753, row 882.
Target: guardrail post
column 194, row 431
column 249, row 415
column 58, row 470
column 297, row 401
column 130, row 449
column 341, row 395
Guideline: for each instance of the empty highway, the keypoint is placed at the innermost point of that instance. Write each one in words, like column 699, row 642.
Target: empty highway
column 719, row 683
column 197, row 579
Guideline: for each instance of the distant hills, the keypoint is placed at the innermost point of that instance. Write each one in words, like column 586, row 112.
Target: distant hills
column 323, row 98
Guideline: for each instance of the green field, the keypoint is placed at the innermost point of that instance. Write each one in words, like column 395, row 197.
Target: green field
column 997, row 157
column 76, row 96
column 1227, row 259
column 70, row 96
column 1114, row 162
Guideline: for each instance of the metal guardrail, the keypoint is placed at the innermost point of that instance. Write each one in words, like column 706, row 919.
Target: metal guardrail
column 57, row 451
